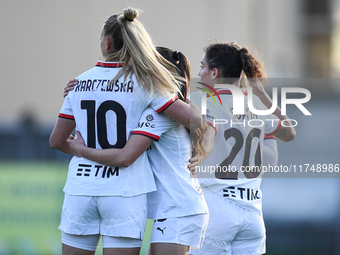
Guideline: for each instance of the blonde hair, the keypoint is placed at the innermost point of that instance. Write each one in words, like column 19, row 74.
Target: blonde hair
column 197, row 139
column 133, row 46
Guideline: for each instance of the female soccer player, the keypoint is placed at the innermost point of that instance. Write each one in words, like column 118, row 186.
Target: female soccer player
column 178, row 206
column 232, row 190
column 105, row 107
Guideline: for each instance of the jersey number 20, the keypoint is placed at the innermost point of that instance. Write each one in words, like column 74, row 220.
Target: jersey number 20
column 239, row 142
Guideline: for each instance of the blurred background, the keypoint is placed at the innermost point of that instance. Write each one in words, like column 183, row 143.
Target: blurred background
column 46, row 43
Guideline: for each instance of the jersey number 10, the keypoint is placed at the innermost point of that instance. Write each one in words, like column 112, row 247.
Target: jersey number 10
column 100, row 116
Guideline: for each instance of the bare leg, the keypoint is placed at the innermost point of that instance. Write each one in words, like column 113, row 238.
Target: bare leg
column 121, row 251
column 168, row 249
column 69, row 250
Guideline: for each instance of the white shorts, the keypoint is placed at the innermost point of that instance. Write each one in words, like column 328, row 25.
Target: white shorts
column 108, row 216
column 188, row 230
column 232, row 229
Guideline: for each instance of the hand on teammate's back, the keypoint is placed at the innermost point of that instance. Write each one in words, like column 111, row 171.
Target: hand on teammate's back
column 70, row 86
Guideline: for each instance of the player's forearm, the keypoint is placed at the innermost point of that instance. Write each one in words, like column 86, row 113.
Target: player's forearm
column 136, row 145
column 109, row 157
column 187, row 114
column 286, row 132
column 61, row 146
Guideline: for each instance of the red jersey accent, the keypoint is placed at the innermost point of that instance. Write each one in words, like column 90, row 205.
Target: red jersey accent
column 66, row 116
column 155, row 137
column 211, row 124
column 167, row 105
column 109, row 64
column 277, row 128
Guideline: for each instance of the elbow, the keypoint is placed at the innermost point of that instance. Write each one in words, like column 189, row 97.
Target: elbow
column 290, row 135
column 126, row 162
column 54, row 144
column 195, row 122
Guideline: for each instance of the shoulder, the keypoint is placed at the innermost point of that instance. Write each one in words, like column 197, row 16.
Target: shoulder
column 88, row 72
column 150, row 115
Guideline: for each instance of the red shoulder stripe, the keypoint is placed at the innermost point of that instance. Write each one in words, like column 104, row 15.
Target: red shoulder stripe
column 167, row 105
column 66, row 116
column 155, row 137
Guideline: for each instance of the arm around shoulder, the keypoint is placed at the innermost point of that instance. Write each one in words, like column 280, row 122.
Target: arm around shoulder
column 286, row 131
column 124, row 157
column 188, row 114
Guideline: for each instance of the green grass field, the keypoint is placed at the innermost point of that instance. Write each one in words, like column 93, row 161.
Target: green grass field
column 30, row 207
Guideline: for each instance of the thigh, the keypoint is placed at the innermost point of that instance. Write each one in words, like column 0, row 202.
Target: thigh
column 80, row 215
column 121, row 251
column 79, row 244
column 123, row 216
column 168, row 249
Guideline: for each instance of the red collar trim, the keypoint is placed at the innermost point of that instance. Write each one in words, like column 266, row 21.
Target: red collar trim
column 109, row 64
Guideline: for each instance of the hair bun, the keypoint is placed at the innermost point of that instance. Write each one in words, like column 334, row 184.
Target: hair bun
column 243, row 50
column 130, row 14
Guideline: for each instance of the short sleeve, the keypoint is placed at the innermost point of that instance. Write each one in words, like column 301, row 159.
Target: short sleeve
column 153, row 125
column 272, row 125
column 66, row 109
column 160, row 103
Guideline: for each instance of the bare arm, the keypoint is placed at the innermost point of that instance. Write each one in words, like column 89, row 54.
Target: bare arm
column 124, row 157
column 285, row 133
column 188, row 114
column 61, row 132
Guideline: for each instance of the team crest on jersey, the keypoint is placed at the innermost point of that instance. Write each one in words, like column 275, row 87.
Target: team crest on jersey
column 149, row 117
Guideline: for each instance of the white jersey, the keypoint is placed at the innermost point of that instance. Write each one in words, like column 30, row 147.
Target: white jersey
column 270, row 153
column 105, row 114
column 233, row 167
column 177, row 194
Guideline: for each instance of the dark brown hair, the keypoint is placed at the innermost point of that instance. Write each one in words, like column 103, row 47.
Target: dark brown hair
column 230, row 59
column 182, row 64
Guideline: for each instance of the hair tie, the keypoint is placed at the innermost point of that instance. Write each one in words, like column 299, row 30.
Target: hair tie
column 128, row 19
column 175, row 55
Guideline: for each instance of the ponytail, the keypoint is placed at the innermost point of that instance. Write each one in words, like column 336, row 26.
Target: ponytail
column 231, row 59
column 182, row 65
column 133, row 46
column 252, row 67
